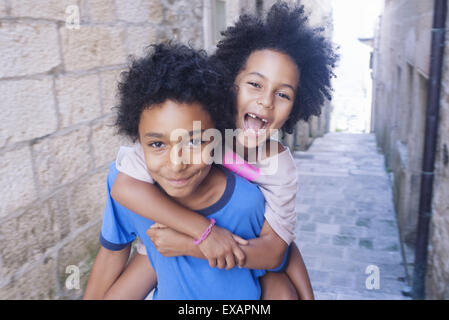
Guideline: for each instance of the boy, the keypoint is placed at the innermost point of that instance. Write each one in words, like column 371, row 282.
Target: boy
column 181, row 86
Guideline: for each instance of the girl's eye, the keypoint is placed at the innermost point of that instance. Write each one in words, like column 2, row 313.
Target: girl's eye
column 254, row 84
column 284, row 96
column 195, row 142
column 156, row 144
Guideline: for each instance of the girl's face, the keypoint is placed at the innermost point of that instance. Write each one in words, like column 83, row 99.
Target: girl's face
column 266, row 88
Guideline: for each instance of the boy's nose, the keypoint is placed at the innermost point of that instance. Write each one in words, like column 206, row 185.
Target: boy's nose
column 176, row 161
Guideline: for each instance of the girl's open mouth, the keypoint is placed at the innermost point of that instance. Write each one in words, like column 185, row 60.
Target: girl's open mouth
column 254, row 122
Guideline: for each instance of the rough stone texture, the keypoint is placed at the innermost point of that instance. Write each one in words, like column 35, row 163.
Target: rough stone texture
column 88, row 199
column 139, row 11
column 102, row 11
column 27, row 238
column 28, row 48
column 78, row 99
column 49, row 9
column 24, row 286
column 139, row 37
column 16, row 180
column 3, row 12
column 101, row 132
column 109, row 81
column 401, row 71
column 92, row 46
column 62, row 159
column 30, row 109
column 79, row 252
column 438, row 264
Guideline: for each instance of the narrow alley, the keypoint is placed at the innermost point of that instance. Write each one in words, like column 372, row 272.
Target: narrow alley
column 347, row 230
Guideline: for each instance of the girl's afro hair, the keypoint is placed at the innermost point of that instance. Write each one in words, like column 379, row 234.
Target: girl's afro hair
column 285, row 30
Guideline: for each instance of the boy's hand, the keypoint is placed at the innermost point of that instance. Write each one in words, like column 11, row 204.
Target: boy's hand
column 221, row 248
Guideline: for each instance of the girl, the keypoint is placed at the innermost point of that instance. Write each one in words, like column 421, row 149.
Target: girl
column 282, row 70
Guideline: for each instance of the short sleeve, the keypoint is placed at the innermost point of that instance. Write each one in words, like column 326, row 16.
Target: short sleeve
column 116, row 231
column 131, row 161
column 279, row 184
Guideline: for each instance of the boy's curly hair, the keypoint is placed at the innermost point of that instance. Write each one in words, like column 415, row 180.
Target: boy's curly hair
column 284, row 30
column 171, row 71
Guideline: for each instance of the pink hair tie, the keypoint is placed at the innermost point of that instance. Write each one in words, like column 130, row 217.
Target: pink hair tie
column 206, row 233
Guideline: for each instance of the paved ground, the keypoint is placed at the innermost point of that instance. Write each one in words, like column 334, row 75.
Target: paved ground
column 346, row 220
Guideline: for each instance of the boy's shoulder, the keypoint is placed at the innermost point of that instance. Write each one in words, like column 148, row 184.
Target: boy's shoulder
column 244, row 190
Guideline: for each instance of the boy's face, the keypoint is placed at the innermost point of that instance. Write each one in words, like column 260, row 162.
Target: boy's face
column 266, row 91
column 164, row 155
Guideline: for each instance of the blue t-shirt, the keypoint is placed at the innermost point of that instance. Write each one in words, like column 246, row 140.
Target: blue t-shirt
column 240, row 210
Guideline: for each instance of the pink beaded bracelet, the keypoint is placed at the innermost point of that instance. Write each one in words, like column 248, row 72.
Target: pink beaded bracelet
column 206, row 233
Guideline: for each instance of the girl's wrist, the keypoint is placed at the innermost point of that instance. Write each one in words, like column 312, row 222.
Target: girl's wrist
column 200, row 227
column 206, row 232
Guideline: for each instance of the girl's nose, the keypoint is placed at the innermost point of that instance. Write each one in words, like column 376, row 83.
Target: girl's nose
column 266, row 100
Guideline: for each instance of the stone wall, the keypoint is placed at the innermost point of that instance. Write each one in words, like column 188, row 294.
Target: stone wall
column 57, row 84
column 401, row 72
column 438, row 263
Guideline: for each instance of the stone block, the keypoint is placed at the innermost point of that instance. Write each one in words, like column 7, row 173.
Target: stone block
column 139, row 11
column 62, row 159
column 78, row 98
column 28, row 48
column 27, row 110
column 105, row 141
column 49, row 9
column 139, row 38
column 26, row 238
column 92, row 46
column 88, row 199
column 3, row 11
column 102, row 11
column 109, row 85
column 327, row 228
column 79, row 252
column 16, row 180
column 37, row 283
column 59, row 208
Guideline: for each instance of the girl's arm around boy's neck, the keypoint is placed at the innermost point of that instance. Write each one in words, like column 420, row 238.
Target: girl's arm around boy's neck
column 148, row 201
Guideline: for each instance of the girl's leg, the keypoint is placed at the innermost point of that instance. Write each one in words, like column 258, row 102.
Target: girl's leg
column 293, row 284
column 277, row 286
column 135, row 282
column 297, row 273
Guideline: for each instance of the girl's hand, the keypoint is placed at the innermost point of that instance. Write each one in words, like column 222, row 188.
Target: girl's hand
column 169, row 242
column 221, row 248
